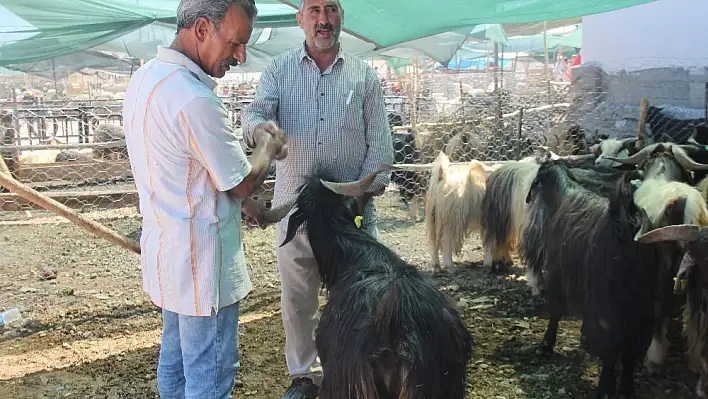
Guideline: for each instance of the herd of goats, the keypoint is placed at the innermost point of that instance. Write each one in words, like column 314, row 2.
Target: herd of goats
column 616, row 232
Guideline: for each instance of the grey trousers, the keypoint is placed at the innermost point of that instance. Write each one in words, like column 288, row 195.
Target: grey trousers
column 300, row 284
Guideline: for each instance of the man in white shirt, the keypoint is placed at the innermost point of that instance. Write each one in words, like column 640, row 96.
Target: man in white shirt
column 192, row 178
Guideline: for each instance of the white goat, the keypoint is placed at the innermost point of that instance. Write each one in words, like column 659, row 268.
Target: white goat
column 453, row 207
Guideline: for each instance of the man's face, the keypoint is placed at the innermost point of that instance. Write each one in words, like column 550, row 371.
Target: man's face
column 321, row 20
column 218, row 49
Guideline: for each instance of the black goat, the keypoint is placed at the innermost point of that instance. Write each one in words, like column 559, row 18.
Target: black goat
column 591, row 259
column 504, row 207
column 666, row 177
column 608, row 147
column 411, row 184
column 693, row 271
column 385, row 332
column 663, row 126
column 601, row 180
column 697, row 148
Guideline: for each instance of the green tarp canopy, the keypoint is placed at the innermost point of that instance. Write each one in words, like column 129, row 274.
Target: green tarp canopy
column 390, row 22
column 532, row 45
column 42, row 30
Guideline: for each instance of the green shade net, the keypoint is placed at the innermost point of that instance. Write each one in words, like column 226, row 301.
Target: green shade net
column 390, row 22
column 102, row 32
column 62, row 27
column 528, row 44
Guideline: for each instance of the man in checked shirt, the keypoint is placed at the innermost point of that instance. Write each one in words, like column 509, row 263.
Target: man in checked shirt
column 330, row 106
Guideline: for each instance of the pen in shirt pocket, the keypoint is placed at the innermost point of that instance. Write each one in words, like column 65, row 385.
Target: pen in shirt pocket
column 349, row 97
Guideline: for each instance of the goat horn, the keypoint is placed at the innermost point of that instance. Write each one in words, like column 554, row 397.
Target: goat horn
column 636, row 158
column 692, row 146
column 679, row 232
column 580, row 158
column 412, row 168
column 628, row 141
column 685, row 160
column 692, row 140
column 274, row 215
column 356, row 188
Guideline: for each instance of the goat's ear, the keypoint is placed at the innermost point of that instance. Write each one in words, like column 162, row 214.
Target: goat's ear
column 675, row 209
column 680, row 232
column 296, row 219
column 644, row 223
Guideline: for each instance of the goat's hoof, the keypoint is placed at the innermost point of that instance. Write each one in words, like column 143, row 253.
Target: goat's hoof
column 497, row 268
column 544, row 349
column 626, row 389
column 652, row 368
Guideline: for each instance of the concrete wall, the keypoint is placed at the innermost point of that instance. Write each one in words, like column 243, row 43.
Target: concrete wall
column 661, row 86
column 657, row 50
column 610, row 102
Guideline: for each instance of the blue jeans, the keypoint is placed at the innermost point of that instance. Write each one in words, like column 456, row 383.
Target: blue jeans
column 198, row 355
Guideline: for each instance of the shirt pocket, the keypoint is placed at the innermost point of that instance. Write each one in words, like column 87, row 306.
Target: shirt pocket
column 351, row 103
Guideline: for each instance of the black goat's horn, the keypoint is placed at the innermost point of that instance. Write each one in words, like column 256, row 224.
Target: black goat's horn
column 679, row 232
column 356, row 188
column 629, row 141
column 636, row 158
column 686, row 161
column 274, row 215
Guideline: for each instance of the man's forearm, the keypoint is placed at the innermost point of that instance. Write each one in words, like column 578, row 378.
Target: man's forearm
column 260, row 163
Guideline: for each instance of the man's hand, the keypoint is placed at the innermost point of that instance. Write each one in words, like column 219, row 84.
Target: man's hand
column 253, row 210
column 268, row 135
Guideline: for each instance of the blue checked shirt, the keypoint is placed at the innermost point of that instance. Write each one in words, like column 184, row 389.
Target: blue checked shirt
column 335, row 120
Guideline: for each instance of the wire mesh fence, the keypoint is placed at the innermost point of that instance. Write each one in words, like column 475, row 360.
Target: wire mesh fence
column 74, row 151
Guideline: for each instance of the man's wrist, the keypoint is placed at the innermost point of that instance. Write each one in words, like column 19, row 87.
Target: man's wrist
column 263, row 155
column 262, row 138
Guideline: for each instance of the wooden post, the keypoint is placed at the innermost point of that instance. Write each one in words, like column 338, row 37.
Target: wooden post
column 49, row 204
column 518, row 133
column 545, row 60
column 414, row 100
column 643, row 110
column 10, row 157
column 501, row 67
column 496, row 66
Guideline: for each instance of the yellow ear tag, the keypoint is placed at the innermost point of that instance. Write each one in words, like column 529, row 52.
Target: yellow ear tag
column 357, row 221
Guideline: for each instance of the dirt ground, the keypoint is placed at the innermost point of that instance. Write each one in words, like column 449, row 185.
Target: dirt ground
column 92, row 333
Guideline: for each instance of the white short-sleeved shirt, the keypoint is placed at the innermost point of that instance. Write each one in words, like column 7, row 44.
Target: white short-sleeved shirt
column 184, row 157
